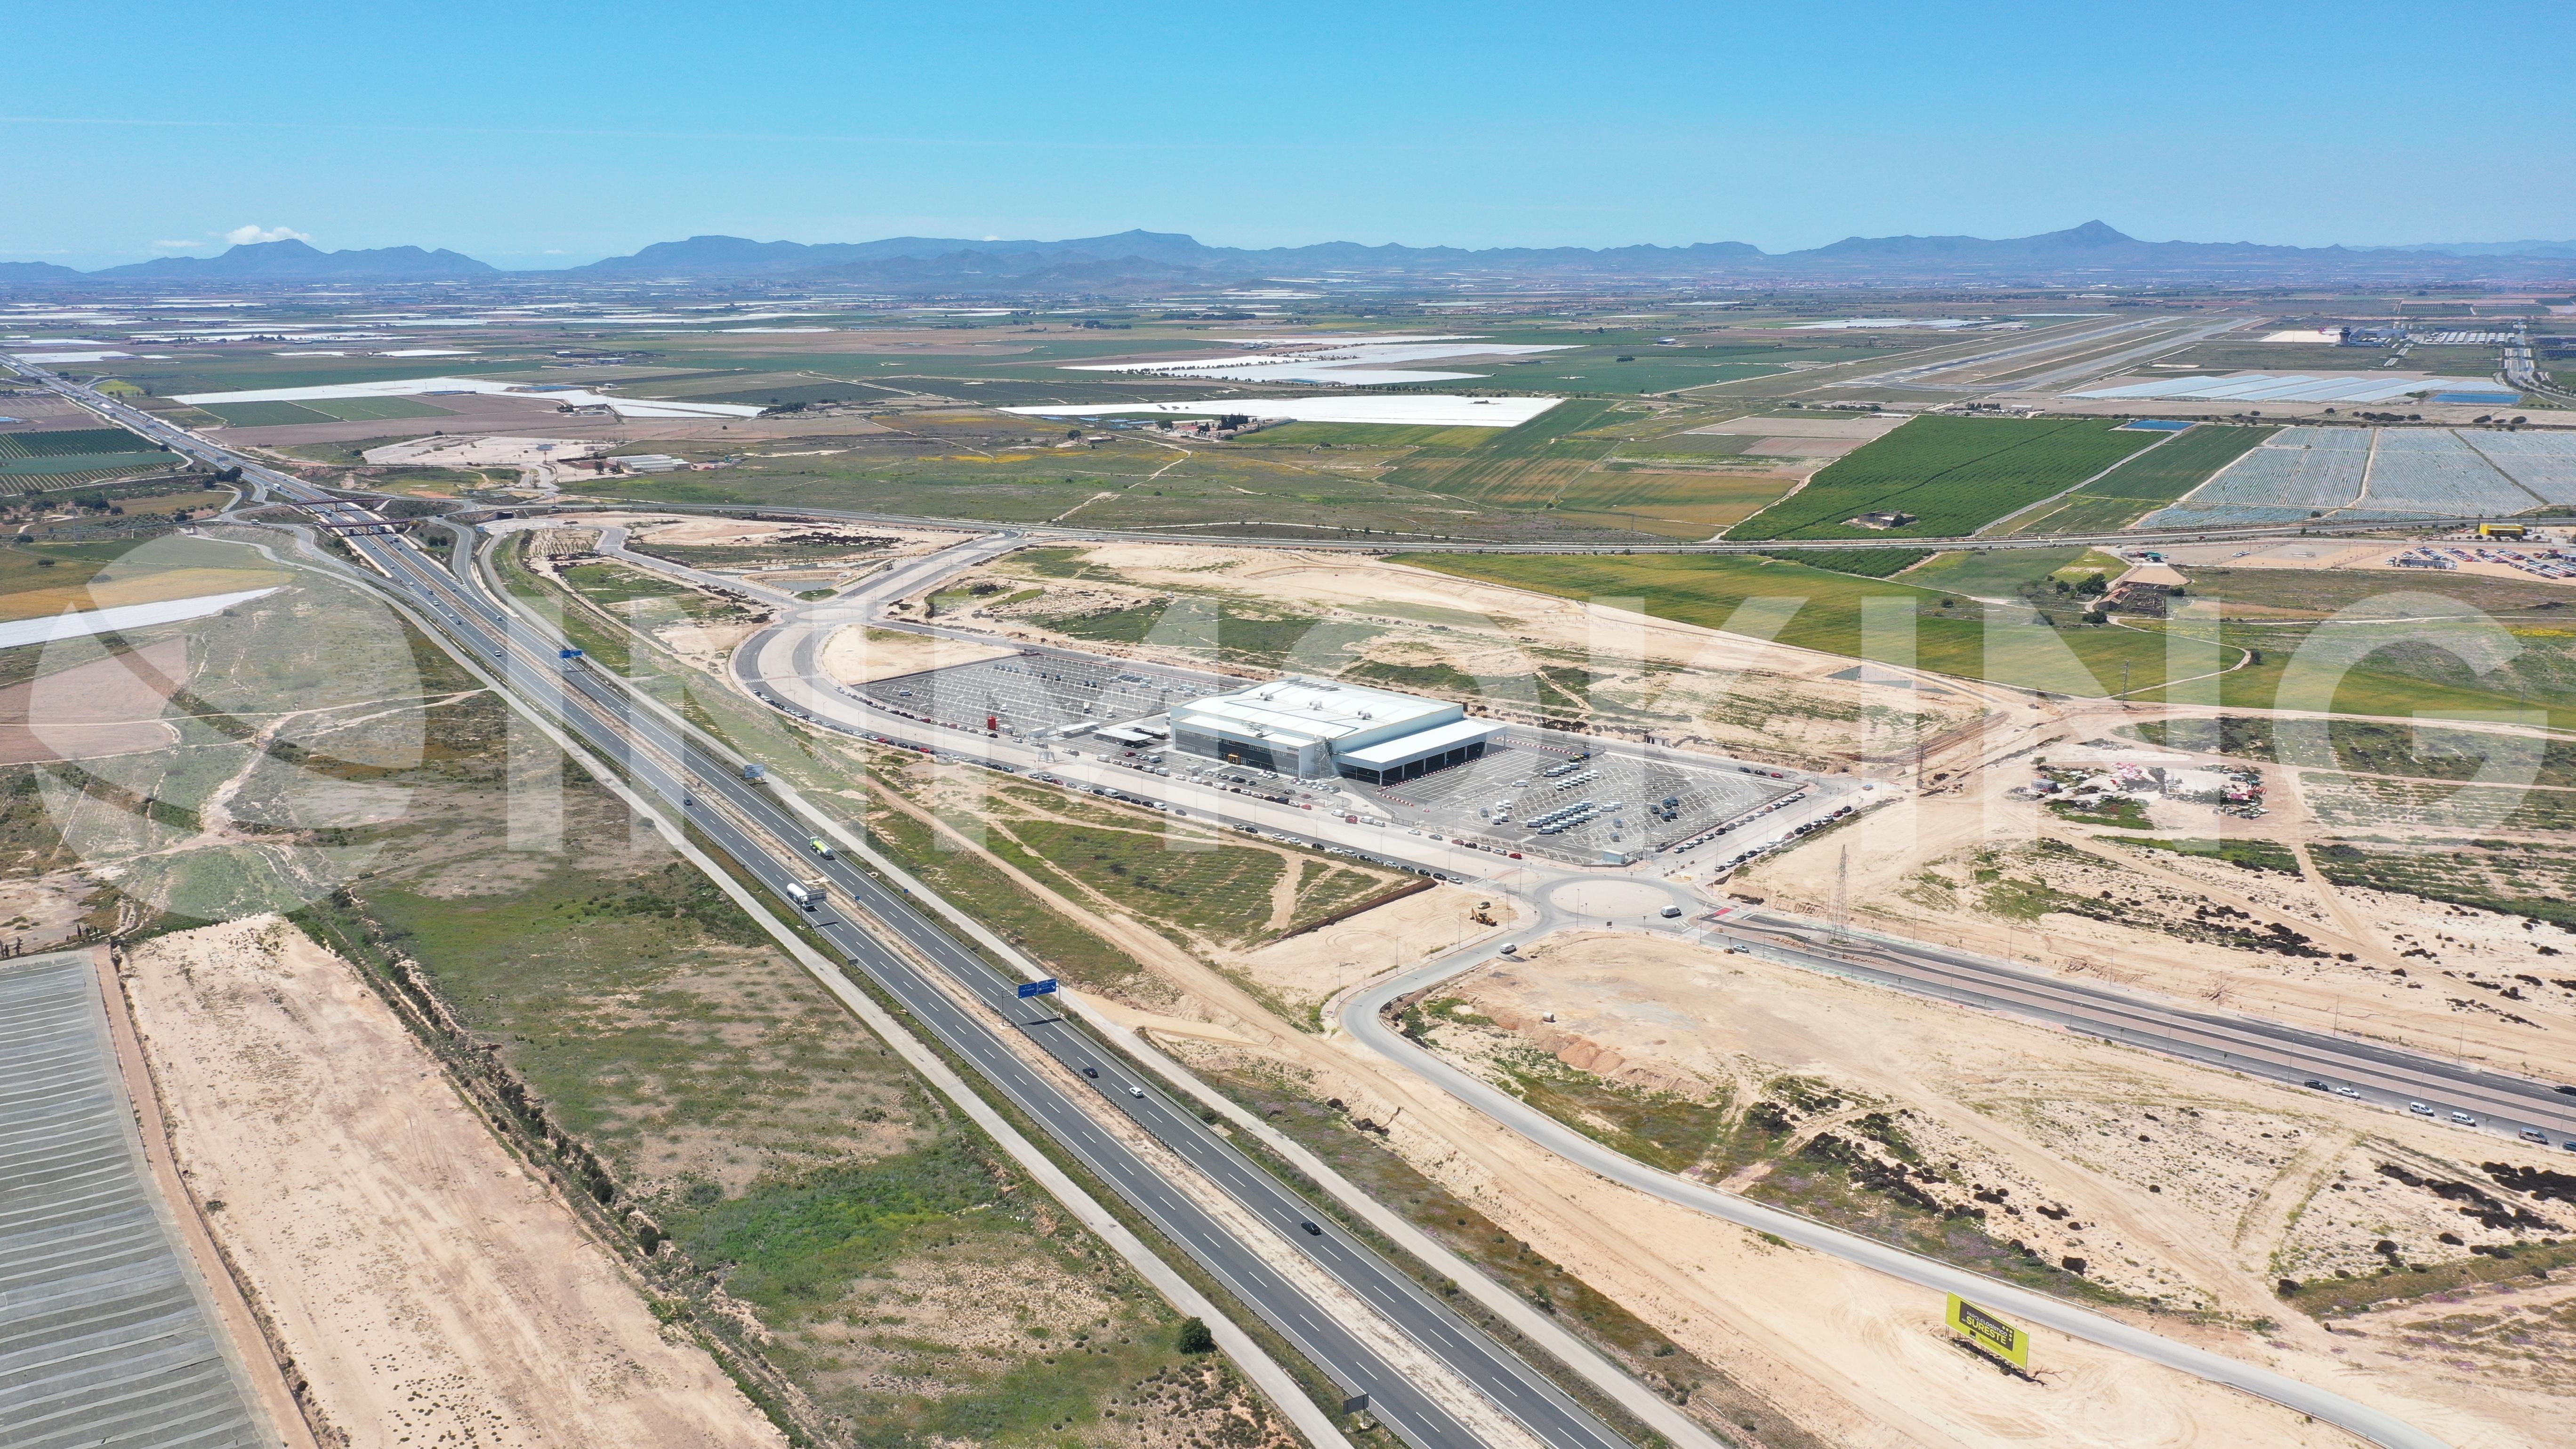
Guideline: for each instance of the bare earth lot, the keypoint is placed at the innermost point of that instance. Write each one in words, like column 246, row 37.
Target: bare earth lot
column 426, row 1284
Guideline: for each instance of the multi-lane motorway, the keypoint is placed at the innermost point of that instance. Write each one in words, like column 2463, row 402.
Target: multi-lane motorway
column 761, row 835
column 974, row 1007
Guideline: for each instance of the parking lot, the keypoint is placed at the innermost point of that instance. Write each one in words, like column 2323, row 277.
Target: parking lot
column 1034, row 694
column 1538, row 792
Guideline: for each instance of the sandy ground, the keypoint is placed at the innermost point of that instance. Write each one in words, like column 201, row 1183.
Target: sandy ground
column 109, row 706
column 439, row 451
column 2039, row 1116
column 1853, row 1356
column 430, row 1289
column 1731, row 692
column 1915, row 872
column 120, row 586
column 857, row 654
column 2194, row 1187
column 713, row 530
column 1315, row 966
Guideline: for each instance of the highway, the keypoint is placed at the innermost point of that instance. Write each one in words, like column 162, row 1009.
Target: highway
column 1361, row 1015
column 2242, row 1043
column 760, row 835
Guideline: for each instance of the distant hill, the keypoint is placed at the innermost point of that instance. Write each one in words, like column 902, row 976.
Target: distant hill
column 2092, row 254
column 1131, row 262
column 1135, row 253
column 295, row 261
column 35, row 274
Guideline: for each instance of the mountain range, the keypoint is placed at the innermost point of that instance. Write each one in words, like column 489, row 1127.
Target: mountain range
column 1144, row 261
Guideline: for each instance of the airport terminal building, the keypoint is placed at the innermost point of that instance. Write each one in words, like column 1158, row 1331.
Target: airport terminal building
column 1315, row 729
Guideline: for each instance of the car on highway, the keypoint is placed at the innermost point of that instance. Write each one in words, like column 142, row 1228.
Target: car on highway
column 2464, row 1119
column 1138, row 1092
column 2313, row 1082
column 1312, row 1231
column 2534, row 1134
column 1091, row 1072
column 2347, row 1092
column 2419, row 1109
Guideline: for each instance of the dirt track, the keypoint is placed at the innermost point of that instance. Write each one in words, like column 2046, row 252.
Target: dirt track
column 431, row 1290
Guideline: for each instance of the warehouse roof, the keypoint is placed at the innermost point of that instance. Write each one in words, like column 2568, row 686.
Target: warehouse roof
column 1405, row 748
column 1313, row 709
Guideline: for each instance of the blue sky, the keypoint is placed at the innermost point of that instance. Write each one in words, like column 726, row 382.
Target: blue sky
column 533, row 135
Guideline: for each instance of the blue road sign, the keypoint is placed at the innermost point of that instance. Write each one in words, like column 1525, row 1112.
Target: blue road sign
column 1037, row 988
column 567, row 654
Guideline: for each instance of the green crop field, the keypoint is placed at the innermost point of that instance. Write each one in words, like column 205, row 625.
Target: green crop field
column 1954, row 474
column 264, row 414
column 65, row 465
column 375, row 409
column 2036, row 644
column 71, row 442
column 1371, row 436
column 2150, row 479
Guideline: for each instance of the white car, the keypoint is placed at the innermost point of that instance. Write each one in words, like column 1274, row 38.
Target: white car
column 2464, row 1119
column 2419, row 1109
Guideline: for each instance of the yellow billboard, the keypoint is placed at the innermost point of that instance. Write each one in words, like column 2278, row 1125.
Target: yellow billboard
column 1986, row 1331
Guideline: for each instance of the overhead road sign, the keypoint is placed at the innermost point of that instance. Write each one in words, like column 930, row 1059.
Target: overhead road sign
column 1037, row 988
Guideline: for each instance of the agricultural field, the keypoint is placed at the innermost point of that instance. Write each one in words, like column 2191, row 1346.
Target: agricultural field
column 70, row 442
column 321, row 410
column 2158, row 475
column 2034, row 642
column 967, row 465
column 1954, row 474
column 2434, row 470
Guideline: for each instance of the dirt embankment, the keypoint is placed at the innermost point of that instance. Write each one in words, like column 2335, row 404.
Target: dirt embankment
column 429, row 1288
column 2168, row 1184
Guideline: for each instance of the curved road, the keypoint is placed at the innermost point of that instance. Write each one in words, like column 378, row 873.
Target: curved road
column 1360, row 1016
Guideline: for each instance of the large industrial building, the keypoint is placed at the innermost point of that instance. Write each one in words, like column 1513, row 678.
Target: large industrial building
column 1314, row 729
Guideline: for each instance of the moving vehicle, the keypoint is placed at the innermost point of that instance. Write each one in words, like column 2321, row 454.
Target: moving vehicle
column 821, row 848
column 1672, row 913
column 803, row 898
column 2534, row 1134
column 2464, row 1119
column 1137, row 1092
column 1091, row 1072
column 1311, row 1230
column 2419, row 1109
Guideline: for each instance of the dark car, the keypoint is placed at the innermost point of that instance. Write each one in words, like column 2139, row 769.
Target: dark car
column 1312, row 1229
column 1091, row 1071
column 2313, row 1082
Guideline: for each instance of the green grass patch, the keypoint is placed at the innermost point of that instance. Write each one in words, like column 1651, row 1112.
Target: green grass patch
column 2344, row 1297
column 2367, row 747
column 1954, row 474
column 1867, row 563
column 270, row 414
column 375, row 409
column 71, row 442
column 2033, row 644
column 1369, row 435
column 2114, row 810
column 2534, row 881
column 2170, row 470
column 2243, row 854
column 1996, row 573
column 67, row 465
